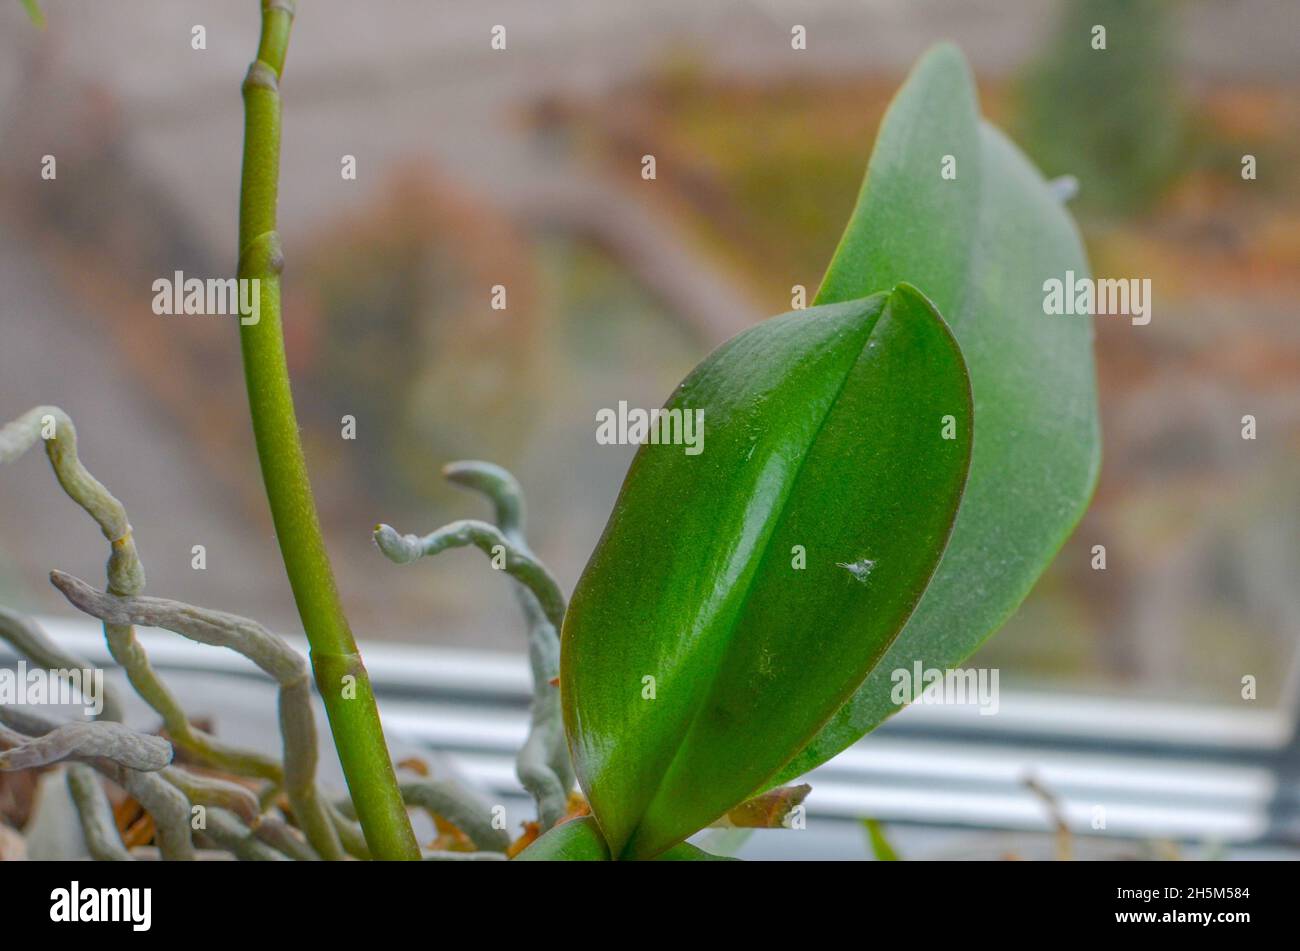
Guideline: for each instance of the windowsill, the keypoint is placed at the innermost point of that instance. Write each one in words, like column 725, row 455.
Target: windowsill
column 1148, row 770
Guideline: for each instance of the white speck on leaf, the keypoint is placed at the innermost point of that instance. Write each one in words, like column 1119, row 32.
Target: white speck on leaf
column 859, row 569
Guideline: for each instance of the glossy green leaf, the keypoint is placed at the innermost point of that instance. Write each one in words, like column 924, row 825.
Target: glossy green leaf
column 910, row 223
column 738, row 597
column 981, row 247
column 579, row 840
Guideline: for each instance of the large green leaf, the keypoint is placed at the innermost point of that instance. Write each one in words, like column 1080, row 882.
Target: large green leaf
column 701, row 649
column 981, row 247
column 911, row 224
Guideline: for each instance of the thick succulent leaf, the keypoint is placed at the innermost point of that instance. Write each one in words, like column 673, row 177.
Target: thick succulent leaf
column 1037, row 442
column 579, row 840
column 739, row 596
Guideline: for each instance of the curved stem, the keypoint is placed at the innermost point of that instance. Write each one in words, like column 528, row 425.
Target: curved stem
column 103, row 841
column 518, row 562
column 269, row 652
column 125, row 577
column 462, row 808
column 165, row 803
column 543, row 763
column 340, row 675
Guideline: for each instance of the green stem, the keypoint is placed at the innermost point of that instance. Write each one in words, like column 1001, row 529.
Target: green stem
column 340, row 675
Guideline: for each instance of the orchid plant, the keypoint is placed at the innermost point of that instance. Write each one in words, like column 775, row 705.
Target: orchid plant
column 887, row 474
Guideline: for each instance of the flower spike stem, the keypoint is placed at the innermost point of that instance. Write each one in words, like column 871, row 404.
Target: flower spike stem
column 340, row 675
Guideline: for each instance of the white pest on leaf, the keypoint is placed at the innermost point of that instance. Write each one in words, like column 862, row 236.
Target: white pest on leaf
column 859, row 569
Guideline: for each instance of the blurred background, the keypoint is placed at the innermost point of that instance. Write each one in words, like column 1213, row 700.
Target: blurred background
column 522, row 168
